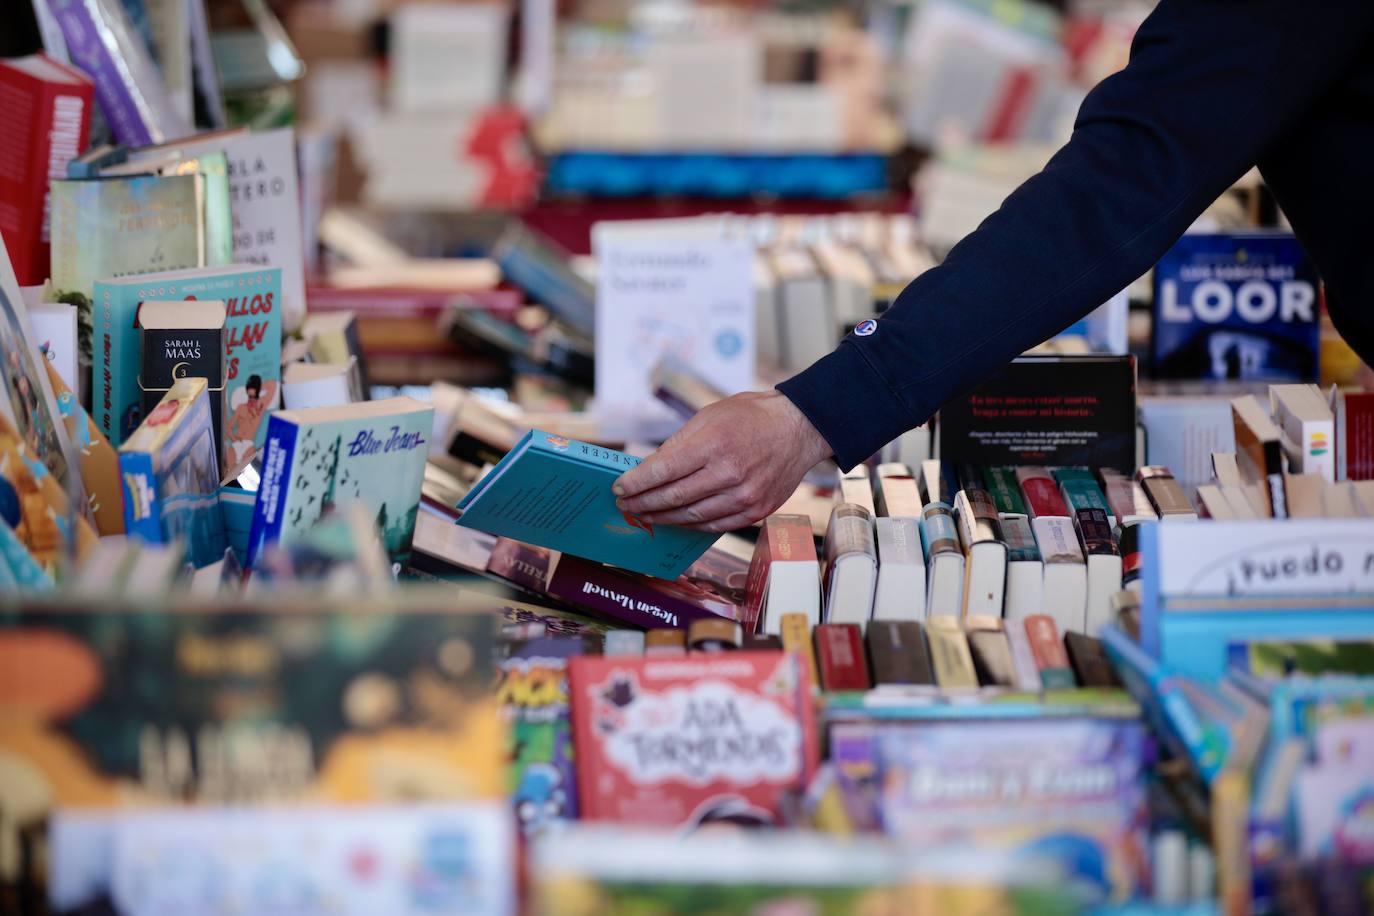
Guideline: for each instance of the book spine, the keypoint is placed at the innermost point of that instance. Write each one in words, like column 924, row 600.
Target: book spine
column 1049, row 651
column 840, row 657
column 269, row 512
column 939, row 534
column 142, row 505
column 899, row 541
column 1002, row 487
column 977, row 516
column 1021, row 546
column 89, row 43
column 599, row 589
column 1094, row 533
column 1079, row 493
column 795, row 630
column 595, row 455
column 104, row 394
column 1041, row 493
column 949, row 654
column 1167, row 497
column 851, row 531
column 992, row 657
column 897, row 653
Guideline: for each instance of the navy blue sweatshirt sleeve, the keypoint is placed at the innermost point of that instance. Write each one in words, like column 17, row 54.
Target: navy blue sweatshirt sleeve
column 1211, row 84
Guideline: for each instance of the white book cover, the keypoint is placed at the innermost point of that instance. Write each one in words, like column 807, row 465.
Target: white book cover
column 1104, row 581
column 691, row 298
column 1066, row 574
column 54, row 332
column 265, row 198
column 901, row 589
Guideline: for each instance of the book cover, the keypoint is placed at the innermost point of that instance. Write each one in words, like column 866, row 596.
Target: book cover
column 309, row 702
column 1004, row 488
column 26, row 394
column 840, row 657
column 851, row 565
column 556, row 492
column 1236, row 306
column 1043, row 497
column 533, row 691
column 156, row 226
column 252, row 348
column 1068, row 790
column 646, row 602
column 522, row 564
column 370, row 454
column 169, row 469
column 686, row 742
column 46, row 109
column 182, row 340
column 901, row 591
column 98, row 460
column 1046, row 410
column 54, row 331
column 265, row 200
column 1355, row 435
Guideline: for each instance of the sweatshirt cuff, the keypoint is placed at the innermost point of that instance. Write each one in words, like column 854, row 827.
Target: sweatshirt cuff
column 849, row 403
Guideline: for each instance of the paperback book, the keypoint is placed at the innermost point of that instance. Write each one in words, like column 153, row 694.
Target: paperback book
column 690, row 741
column 712, row 587
column 252, row 348
column 169, row 470
column 370, row 454
column 556, row 492
column 1236, row 306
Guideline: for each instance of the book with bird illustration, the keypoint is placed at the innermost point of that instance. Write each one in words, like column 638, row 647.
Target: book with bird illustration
column 322, row 458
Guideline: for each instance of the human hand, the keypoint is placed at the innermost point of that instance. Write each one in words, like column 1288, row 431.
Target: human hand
column 727, row 467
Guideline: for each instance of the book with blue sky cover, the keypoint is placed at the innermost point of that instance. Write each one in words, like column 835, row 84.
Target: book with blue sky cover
column 316, row 459
column 556, row 493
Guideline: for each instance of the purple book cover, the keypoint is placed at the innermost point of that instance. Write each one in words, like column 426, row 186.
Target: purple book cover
column 638, row 600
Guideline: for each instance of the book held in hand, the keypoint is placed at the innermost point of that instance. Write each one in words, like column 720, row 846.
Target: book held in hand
column 371, row 454
column 556, row 492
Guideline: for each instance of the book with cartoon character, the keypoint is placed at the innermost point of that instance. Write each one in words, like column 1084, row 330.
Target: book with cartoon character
column 556, row 492
column 315, row 459
column 170, row 474
column 252, row 348
column 691, row 741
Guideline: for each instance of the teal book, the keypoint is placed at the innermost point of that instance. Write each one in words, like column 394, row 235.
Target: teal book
column 1080, row 490
column 169, row 475
column 555, row 492
column 252, row 349
column 320, row 459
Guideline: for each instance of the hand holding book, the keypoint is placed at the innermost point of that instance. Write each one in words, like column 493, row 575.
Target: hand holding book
column 732, row 464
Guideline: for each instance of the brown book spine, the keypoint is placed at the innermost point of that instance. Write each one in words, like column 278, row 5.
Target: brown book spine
column 897, row 652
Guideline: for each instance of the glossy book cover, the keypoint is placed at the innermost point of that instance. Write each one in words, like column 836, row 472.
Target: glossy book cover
column 252, row 348
column 319, row 458
column 556, row 492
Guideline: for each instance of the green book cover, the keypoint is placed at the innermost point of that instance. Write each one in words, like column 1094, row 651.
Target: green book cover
column 1004, row 490
column 252, row 349
column 112, row 227
column 1080, row 490
column 370, row 454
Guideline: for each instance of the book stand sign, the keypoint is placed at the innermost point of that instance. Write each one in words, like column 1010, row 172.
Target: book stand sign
column 1209, row 584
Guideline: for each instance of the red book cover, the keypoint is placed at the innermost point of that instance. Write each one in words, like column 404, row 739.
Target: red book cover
column 1357, row 434
column 840, row 656
column 713, row 586
column 45, row 110
column 783, row 538
column 1041, row 492
column 1046, row 645
column 690, row 741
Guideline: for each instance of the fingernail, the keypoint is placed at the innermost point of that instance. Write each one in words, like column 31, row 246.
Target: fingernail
column 620, row 504
column 617, row 489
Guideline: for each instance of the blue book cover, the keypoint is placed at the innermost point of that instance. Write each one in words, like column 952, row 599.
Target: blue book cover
column 1236, row 306
column 320, row 458
column 169, row 475
column 556, row 493
column 252, row 348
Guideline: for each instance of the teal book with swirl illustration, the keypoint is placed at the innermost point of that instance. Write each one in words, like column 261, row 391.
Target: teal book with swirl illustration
column 324, row 459
column 556, row 492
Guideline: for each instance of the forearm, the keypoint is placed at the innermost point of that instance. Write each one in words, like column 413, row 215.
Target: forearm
column 1211, row 83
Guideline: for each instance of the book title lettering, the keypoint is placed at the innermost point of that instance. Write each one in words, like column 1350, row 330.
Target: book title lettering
column 366, row 443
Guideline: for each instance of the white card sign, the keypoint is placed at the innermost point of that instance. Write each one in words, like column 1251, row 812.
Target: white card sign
column 691, row 297
column 1266, row 558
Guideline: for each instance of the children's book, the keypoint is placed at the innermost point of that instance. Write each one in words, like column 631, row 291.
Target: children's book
column 690, row 741
column 556, row 492
column 252, row 348
column 169, row 469
column 371, row 454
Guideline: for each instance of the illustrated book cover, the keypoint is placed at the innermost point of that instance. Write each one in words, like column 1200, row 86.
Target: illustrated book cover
column 371, row 454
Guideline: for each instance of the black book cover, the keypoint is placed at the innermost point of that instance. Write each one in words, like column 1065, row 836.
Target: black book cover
column 897, row 652
column 1095, row 532
column 1059, row 411
column 1090, row 661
